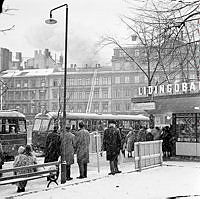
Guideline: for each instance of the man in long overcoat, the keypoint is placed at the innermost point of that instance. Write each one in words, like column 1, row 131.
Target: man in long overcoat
column 53, row 146
column 112, row 144
column 69, row 142
column 82, row 149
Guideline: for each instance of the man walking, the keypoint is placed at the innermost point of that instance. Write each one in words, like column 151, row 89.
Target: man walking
column 112, row 144
column 82, row 149
column 69, row 142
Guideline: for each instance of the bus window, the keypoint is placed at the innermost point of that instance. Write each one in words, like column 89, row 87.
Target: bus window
column 44, row 125
column 37, row 123
column 21, row 126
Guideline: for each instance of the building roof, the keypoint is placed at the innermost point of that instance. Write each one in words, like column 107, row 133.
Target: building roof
column 27, row 73
column 51, row 71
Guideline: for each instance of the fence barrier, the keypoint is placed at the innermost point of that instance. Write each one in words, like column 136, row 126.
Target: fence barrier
column 148, row 154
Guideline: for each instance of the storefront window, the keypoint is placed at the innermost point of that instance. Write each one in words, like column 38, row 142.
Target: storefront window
column 186, row 128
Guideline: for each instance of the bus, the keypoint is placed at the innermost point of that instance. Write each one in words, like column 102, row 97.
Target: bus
column 44, row 123
column 13, row 132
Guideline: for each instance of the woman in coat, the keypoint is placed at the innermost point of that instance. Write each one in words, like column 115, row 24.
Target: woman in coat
column 130, row 142
column 69, row 143
column 24, row 158
column 82, row 149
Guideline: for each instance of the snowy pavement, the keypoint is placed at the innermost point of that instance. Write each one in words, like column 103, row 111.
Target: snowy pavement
column 173, row 179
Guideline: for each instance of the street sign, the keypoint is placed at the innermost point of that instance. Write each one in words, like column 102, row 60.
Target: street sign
column 143, row 106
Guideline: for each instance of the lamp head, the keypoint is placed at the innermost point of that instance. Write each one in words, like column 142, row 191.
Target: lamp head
column 50, row 21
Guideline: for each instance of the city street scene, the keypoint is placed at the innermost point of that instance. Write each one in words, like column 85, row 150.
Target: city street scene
column 100, row 99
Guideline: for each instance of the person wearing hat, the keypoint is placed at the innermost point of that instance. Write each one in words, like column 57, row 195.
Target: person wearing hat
column 52, row 147
column 82, row 149
column 112, row 145
column 69, row 142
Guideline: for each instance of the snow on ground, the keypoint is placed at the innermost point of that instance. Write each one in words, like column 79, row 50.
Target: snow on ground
column 40, row 184
column 170, row 180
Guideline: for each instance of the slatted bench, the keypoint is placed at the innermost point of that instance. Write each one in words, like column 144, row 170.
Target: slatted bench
column 41, row 170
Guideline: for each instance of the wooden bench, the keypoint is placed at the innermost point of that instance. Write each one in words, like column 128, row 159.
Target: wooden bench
column 39, row 171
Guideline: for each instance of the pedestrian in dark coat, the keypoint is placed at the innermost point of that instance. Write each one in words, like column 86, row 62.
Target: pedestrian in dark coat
column 52, row 147
column 112, row 144
column 149, row 135
column 123, row 140
column 82, row 149
column 69, row 143
column 166, row 145
column 1, row 159
column 141, row 135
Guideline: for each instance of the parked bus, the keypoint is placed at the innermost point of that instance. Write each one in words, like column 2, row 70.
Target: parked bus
column 44, row 123
column 13, row 132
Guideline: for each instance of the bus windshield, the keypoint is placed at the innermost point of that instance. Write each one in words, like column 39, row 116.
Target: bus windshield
column 44, row 125
column 37, row 123
column 41, row 125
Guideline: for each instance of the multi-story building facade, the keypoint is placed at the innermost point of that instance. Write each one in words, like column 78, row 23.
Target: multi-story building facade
column 32, row 90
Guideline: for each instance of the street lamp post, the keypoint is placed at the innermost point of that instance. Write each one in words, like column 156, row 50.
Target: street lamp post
column 53, row 21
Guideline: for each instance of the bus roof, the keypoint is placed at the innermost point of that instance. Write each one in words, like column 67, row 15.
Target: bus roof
column 11, row 114
column 94, row 116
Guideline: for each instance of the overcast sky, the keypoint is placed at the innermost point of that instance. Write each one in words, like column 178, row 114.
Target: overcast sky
column 88, row 20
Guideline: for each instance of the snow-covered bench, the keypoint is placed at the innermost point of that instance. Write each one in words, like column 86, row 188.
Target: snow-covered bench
column 49, row 170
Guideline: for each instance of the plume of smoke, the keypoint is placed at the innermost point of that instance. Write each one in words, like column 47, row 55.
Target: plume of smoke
column 82, row 48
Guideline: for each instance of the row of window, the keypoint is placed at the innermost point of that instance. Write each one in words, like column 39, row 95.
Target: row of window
column 27, row 108
column 103, row 94
column 81, row 108
column 81, row 94
column 25, row 83
column 26, row 95
column 95, row 107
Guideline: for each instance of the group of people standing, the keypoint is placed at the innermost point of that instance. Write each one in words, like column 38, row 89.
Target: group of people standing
column 76, row 142
column 150, row 134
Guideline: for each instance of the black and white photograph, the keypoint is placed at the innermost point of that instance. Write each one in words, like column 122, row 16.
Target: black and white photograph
column 100, row 99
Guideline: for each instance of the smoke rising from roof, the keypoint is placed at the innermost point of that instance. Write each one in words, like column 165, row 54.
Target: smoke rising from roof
column 82, row 47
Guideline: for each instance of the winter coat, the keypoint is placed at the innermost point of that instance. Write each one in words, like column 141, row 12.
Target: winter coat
column 53, row 147
column 130, row 141
column 69, row 143
column 156, row 134
column 149, row 137
column 141, row 137
column 23, row 160
column 112, row 143
column 166, row 137
column 82, row 146
column 1, row 156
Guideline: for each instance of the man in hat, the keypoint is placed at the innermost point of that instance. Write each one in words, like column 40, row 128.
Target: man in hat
column 112, row 144
column 69, row 142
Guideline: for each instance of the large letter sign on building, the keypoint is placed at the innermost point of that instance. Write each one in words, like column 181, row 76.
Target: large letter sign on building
column 169, row 89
